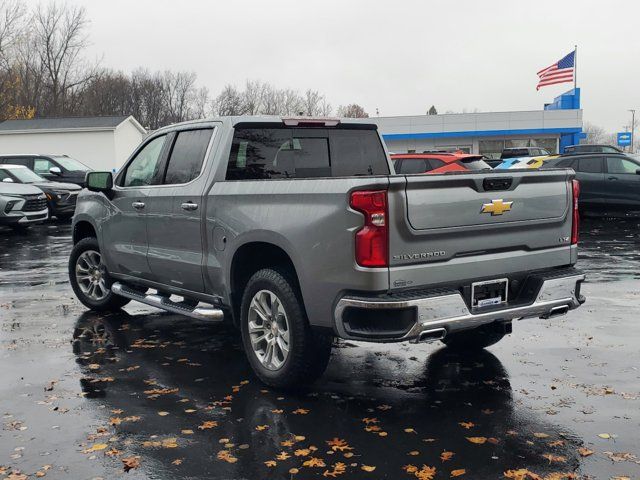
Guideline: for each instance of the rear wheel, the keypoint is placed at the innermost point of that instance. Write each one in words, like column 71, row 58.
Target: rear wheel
column 89, row 277
column 281, row 347
column 474, row 339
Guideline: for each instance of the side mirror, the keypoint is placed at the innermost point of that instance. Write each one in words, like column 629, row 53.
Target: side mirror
column 10, row 180
column 99, row 181
column 55, row 171
column 638, row 171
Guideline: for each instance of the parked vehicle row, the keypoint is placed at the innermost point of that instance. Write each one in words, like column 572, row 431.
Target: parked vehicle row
column 610, row 179
column 27, row 197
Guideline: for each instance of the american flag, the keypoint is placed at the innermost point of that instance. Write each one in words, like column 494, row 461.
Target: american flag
column 560, row 72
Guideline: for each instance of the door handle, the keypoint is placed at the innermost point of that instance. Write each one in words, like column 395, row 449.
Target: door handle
column 189, row 206
column 138, row 205
column 613, row 178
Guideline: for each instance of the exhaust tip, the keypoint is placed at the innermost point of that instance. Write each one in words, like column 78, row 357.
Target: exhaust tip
column 432, row 335
column 557, row 311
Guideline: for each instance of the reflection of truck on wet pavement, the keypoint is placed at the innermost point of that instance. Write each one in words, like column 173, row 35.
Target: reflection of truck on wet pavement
column 298, row 230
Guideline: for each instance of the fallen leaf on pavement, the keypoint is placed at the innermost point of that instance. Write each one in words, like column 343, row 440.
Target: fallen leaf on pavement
column 130, row 463
column 226, row 456
column 554, row 458
column 338, row 444
column 425, row 473
column 459, row 472
column 95, row 448
column 444, row 456
column 314, row 462
column 283, row 456
column 368, row 468
column 208, row 424
column 585, row 452
column 477, row 440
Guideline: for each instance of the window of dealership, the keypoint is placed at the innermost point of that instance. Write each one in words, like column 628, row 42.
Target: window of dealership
column 492, row 148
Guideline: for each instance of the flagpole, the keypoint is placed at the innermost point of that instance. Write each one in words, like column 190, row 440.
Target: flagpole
column 575, row 67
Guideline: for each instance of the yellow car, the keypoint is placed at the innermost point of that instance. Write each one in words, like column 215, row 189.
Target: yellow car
column 537, row 162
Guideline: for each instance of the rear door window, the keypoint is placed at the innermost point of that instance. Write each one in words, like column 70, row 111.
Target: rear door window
column 590, row 165
column 42, row 165
column 357, row 152
column 435, row 163
column 187, row 155
column 621, row 165
column 475, row 163
column 416, row 165
column 565, row 163
column 18, row 161
column 273, row 153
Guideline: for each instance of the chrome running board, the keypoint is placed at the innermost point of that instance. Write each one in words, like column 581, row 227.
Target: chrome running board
column 164, row 303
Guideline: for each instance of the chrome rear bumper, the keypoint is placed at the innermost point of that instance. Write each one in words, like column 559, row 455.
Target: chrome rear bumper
column 449, row 311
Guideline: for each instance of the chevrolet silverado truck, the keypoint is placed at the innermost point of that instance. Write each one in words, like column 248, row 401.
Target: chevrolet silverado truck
column 298, row 230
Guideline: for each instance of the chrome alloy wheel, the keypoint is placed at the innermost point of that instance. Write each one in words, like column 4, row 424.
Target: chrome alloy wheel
column 269, row 329
column 90, row 274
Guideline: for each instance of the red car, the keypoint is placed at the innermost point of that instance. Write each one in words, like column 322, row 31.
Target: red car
column 439, row 162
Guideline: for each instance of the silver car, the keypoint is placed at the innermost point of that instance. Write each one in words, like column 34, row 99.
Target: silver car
column 21, row 205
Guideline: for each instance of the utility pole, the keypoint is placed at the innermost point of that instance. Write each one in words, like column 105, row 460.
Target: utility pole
column 633, row 129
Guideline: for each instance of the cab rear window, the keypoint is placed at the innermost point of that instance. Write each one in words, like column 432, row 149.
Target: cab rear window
column 277, row 153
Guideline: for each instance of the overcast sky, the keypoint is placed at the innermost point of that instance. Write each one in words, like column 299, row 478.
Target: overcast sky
column 398, row 56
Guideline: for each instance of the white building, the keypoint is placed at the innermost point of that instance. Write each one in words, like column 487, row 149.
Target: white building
column 102, row 143
column 558, row 125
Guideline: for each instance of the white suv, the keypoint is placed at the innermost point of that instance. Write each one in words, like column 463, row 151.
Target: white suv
column 22, row 205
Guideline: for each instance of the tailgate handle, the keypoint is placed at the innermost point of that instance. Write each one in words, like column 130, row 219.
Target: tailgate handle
column 495, row 184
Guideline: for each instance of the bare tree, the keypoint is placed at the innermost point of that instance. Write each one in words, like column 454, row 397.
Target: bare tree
column 12, row 25
column 253, row 97
column 229, row 102
column 352, row 111
column 201, row 103
column 595, row 133
column 179, row 92
column 59, row 40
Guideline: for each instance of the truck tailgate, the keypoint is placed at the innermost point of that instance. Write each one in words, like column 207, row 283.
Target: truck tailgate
column 485, row 223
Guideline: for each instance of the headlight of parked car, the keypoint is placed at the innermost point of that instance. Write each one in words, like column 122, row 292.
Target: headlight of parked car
column 9, row 206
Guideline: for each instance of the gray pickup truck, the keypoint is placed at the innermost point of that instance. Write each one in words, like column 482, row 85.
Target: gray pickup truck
column 298, row 230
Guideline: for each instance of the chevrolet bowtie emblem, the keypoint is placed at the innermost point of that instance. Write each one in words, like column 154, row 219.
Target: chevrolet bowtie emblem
column 496, row 207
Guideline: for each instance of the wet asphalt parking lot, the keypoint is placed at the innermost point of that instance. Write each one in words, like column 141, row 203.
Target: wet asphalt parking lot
column 86, row 396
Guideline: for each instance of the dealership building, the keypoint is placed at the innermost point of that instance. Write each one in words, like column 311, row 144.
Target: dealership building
column 556, row 126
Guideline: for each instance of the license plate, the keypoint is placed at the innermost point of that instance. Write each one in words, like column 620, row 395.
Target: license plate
column 489, row 293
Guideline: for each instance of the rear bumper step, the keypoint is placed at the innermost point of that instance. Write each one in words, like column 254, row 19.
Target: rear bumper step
column 431, row 317
column 164, row 303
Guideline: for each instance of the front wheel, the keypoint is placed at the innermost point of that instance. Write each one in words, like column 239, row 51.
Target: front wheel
column 474, row 339
column 89, row 277
column 281, row 347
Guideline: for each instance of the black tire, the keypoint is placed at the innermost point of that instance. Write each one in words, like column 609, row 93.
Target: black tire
column 111, row 301
column 309, row 350
column 474, row 339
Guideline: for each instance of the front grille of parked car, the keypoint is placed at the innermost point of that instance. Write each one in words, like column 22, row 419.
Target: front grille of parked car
column 34, row 203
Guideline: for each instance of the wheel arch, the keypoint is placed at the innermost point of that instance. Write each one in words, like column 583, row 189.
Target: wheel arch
column 83, row 229
column 251, row 257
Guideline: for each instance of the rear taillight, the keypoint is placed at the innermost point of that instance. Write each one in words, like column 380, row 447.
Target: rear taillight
column 372, row 240
column 575, row 226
